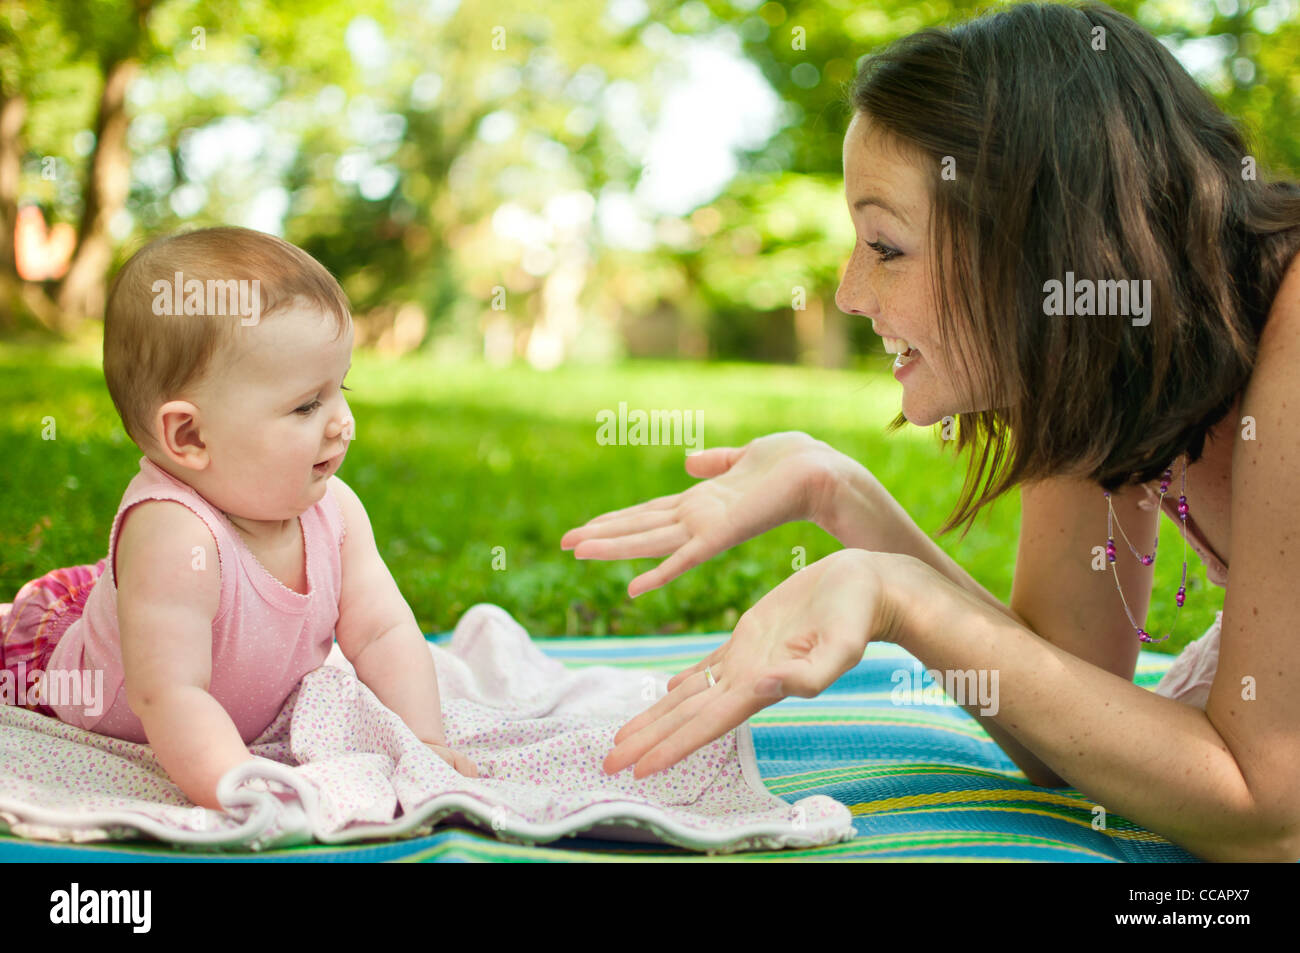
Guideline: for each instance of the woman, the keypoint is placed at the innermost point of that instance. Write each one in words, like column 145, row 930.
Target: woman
column 983, row 165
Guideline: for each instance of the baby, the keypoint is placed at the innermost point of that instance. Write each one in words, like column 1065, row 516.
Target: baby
column 236, row 557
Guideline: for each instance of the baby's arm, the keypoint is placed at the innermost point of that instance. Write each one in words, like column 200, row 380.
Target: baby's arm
column 165, row 610
column 377, row 631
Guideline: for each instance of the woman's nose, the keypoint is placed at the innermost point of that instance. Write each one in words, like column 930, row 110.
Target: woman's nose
column 854, row 296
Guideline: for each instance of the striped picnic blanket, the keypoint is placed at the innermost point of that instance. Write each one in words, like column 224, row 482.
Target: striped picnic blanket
column 923, row 782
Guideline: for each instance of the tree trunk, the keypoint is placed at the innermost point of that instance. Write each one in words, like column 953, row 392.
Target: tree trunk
column 84, row 288
column 13, row 110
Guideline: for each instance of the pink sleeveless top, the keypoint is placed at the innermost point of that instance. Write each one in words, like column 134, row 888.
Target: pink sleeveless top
column 265, row 636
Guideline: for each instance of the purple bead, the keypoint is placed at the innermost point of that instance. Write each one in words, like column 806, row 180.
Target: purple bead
column 1142, row 634
column 1179, row 598
column 1183, row 510
column 1147, row 560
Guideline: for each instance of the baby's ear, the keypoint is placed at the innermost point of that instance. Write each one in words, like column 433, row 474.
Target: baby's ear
column 181, row 443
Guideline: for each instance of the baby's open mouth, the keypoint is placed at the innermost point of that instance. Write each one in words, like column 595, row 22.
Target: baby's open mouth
column 324, row 465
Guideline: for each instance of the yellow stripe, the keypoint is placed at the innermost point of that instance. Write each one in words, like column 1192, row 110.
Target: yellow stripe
column 865, row 772
column 946, row 797
column 952, row 800
column 1141, row 836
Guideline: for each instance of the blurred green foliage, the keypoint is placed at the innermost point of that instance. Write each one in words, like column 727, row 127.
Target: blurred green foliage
column 388, row 135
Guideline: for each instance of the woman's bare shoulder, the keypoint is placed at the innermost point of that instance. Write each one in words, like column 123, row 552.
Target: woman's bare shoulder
column 1286, row 303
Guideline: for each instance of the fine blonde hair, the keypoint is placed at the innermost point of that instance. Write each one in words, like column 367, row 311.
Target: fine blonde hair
column 151, row 358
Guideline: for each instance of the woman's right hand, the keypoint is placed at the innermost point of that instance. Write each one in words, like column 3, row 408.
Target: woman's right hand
column 775, row 479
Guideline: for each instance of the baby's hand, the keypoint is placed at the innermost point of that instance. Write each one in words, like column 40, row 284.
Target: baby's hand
column 454, row 758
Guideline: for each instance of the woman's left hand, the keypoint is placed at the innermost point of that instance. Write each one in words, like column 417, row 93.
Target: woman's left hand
column 796, row 640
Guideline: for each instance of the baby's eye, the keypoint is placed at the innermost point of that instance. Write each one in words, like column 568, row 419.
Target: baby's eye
column 308, row 409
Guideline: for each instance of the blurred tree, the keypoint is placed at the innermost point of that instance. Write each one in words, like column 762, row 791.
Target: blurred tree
column 455, row 163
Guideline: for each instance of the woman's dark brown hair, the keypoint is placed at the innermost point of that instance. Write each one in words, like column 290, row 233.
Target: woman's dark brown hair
column 1110, row 163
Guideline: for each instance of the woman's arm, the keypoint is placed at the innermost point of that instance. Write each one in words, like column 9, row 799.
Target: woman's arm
column 1152, row 760
column 1056, row 592
column 854, row 507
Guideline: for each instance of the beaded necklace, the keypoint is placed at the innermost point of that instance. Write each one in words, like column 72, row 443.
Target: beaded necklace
column 1147, row 560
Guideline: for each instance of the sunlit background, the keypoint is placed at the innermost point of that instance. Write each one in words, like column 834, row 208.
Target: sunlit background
column 538, row 195
column 638, row 179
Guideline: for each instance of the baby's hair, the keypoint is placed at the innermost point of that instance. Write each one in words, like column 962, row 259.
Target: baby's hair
column 150, row 358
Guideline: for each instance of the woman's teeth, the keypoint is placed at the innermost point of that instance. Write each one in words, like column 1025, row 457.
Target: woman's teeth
column 905, row 351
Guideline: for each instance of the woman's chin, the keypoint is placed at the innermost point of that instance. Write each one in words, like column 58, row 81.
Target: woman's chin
column 918, row 416
column 926, row 416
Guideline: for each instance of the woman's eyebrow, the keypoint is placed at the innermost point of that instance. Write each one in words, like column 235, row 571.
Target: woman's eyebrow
column 859, row 204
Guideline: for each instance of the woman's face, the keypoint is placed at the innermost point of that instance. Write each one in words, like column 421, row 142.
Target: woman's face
column 888, row 277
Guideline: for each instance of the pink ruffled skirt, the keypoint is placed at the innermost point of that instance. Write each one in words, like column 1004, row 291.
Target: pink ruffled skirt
column 31, row 625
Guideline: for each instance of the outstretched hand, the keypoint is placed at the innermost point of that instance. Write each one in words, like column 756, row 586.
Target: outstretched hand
column 746, row 491
column 796, row 640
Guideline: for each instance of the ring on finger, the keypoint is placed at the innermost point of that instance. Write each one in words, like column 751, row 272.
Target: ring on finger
column 709, row 677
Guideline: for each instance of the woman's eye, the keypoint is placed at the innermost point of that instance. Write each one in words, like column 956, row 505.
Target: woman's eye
column 884, row 251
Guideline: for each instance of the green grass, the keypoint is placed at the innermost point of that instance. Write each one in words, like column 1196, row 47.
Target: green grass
column 452, row 461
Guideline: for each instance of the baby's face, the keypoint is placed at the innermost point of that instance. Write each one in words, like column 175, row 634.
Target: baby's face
column 271, row 411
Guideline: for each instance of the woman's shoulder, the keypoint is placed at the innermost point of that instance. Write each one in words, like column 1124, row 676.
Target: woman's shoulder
column 1285, row 307
column 1279, row 341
